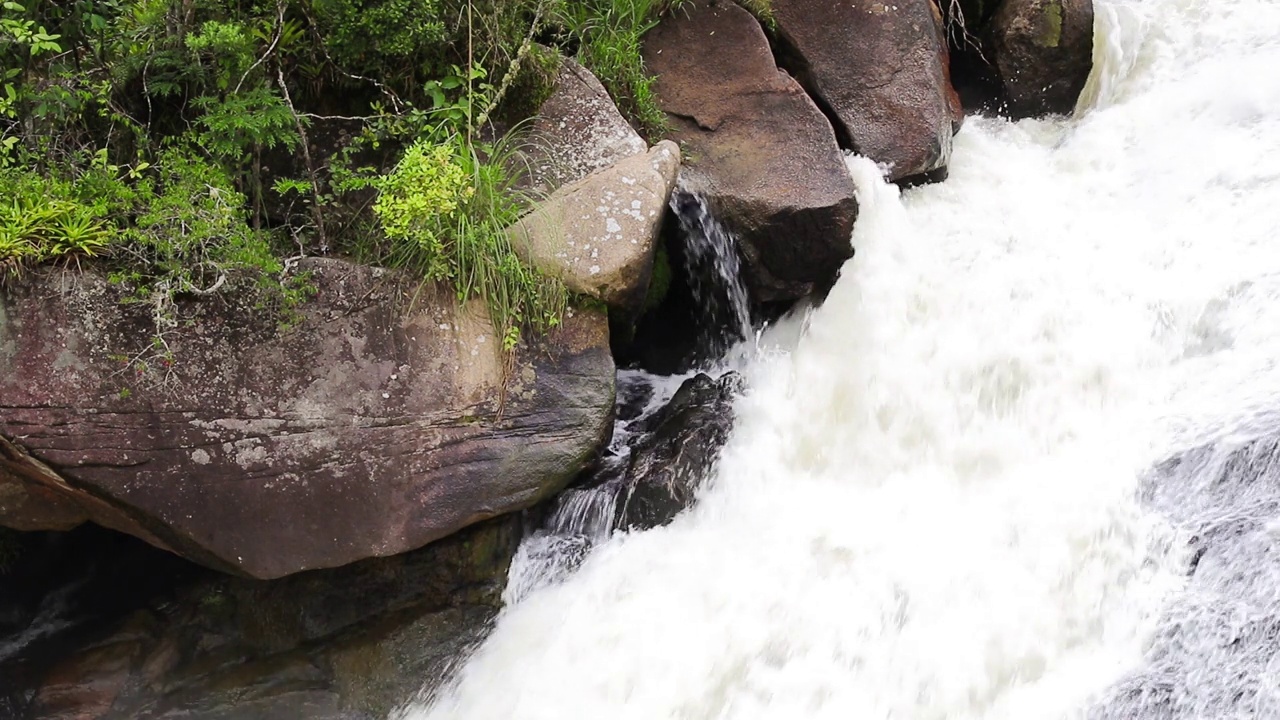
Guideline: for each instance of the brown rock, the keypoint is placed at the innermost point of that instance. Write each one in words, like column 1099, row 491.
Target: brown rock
column 756, row 146
column 578, row 131
column 599, row 234
column 368, row 429
column 1043, row 53
column 881, row 68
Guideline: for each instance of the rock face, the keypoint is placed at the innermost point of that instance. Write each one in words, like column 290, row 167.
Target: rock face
column 368, row 429
column 683, row 441
column 343, row 644
column 1043, row 52
column 881, row 69
column 599, row 234
column 755, row 145
column 578, row 131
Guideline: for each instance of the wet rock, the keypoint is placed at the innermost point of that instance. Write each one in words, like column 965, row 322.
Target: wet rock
column 599, row 234
column 881, row 68
column 343, row 644
column 577, row 131
column 756, row 146
column 675, row 450
column 371, row 427
column 1043, row 53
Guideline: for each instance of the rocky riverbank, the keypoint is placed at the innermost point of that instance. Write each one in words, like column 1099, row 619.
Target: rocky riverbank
column 326, row 508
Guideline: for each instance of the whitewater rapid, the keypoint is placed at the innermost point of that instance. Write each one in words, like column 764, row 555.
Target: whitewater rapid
column 939, row 499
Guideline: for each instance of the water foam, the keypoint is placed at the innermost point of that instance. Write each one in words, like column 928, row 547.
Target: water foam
column 930, row 506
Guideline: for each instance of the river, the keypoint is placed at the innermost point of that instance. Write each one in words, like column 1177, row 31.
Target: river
column 979, row 480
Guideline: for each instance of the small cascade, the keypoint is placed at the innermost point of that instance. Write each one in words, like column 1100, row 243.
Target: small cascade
column 714, row 273
column 586, row 516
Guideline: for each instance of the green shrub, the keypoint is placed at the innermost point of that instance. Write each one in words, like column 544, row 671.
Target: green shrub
column 45, row 219
column 610, row 32
column 445, row 211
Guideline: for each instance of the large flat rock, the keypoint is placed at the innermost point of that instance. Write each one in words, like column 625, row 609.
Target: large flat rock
column 386, row 418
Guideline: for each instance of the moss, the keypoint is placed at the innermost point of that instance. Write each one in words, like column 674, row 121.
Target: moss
column 1051, row 33
column 659, row 281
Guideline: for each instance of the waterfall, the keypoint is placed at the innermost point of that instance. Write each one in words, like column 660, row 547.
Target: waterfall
column 1015, row 466
column 714, row 275
column 584, row 517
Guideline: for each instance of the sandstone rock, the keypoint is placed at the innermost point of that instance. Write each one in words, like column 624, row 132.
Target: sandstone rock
column 682, row 442
column 342, row 644
column 755, row 145
column 881, row 68
column 599, row 234
column 578, row 131
column 368, row 429
column 1043, row 53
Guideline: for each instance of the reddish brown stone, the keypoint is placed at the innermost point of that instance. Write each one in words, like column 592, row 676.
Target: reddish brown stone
column 369, row 429
column 755, row 145
column 881, row 68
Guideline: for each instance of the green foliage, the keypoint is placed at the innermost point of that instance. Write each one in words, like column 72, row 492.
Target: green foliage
column 762, row 9
column 391, row 35
column 317, row 122
column 445, row 211
column 610, row 32
column 249, row 120
column 45, row 219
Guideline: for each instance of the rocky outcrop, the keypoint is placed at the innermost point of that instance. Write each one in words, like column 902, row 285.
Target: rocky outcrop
column 599, row 234
column 675, row 449
column 755, row 145
column 577, row 131
column 1043, row 53
column 342, row 644
column 384, row 418
column 881, row 69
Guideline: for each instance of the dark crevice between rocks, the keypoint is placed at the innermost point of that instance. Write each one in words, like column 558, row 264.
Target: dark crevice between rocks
column 791, row 61
column 975, row 79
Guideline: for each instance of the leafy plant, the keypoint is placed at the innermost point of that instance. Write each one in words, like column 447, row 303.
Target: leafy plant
column 445, row 211
column 610, row 32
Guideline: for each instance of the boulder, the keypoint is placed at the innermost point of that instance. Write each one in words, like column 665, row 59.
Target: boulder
column 384, row 417
column 675, row 449
column 882, row 70
column 1043, row 53
column 599, row 234
column 343, row 644
column 577, row 131
column 756, row 146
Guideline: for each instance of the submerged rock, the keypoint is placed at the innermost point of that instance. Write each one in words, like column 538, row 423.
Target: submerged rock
column 384, row 419
column 599, row 234
column 756, row 147
column 882, row 70
column 1043, row 53
column 344, row 644
column 675, row 449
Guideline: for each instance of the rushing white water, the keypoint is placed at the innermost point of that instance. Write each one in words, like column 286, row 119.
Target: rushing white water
column 938, row 500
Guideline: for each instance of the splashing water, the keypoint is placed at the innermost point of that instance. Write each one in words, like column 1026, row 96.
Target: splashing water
column 714, row 275
column 932, row 505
